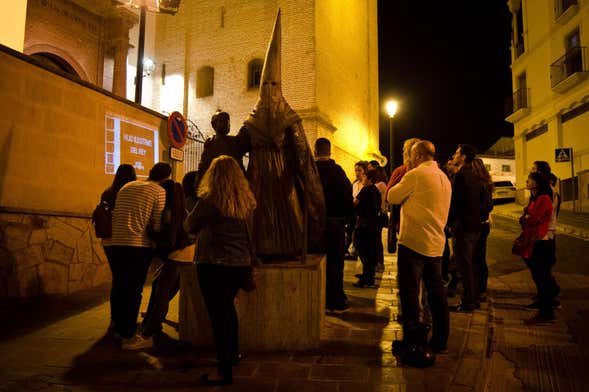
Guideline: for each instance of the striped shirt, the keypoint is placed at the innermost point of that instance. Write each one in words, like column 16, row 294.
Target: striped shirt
column 138, row 207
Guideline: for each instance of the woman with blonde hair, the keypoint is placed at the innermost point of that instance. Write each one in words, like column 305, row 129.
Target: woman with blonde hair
column 223, row 254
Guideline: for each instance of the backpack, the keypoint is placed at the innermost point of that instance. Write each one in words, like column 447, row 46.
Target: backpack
column 102, row 220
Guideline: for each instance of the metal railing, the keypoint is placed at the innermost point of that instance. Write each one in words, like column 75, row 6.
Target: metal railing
column 194, row 146
column 563, row 5
column 520, row 99
column 572, row 62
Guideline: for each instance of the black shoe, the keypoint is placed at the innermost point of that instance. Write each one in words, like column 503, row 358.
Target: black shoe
column 341, row 309
column 218, row 380
column 483, row 297
column 359, row 276
column 540, row 320
column 438, row 348
column 462, row 308
column 364, row 285
column 349, row 256
column 536, row 304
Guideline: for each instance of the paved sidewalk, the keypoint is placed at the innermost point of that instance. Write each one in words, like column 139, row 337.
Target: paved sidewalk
column 49, row 351
column 539, row 358
column 571, row 223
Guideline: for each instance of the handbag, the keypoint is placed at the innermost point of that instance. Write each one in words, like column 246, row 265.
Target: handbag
column 183, row 255
column 522, row 246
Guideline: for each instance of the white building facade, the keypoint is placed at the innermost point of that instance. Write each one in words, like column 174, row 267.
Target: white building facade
column 551, row 91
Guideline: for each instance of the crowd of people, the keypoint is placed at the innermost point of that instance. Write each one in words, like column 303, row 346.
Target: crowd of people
column 438, row 220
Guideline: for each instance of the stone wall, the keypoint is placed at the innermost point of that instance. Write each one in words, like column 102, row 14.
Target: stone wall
column 44, row 255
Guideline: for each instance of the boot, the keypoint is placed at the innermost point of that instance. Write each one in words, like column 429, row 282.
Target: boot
column 415, row 351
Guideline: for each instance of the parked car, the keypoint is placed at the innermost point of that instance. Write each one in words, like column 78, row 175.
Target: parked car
column 504, row 190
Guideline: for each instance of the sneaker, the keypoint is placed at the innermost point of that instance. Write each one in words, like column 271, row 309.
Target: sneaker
column 137, row 342
column 540, row 320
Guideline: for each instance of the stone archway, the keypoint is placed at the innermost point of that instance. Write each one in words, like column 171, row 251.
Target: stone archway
column 55, row 62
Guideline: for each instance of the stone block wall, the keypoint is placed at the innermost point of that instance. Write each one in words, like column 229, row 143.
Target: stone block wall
column 46, row 255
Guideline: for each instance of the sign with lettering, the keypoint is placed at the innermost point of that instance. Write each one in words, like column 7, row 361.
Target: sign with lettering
column 177, row 129
column 176, row 154
column 563, row 154
column 130, row 142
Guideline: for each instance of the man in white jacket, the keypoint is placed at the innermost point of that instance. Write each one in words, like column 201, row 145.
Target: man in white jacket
column 424, row 194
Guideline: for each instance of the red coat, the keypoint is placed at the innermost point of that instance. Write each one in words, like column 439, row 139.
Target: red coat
column 535, row 221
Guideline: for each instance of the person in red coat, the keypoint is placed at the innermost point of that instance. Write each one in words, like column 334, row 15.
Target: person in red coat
column 540, row 254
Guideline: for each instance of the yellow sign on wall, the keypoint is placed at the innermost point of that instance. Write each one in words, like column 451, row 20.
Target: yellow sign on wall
column 129, row 142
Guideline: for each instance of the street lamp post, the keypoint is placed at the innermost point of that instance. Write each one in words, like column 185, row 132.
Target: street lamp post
column 391, row 107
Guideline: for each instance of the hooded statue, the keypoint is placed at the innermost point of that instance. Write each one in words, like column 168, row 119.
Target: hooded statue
column 281, row 169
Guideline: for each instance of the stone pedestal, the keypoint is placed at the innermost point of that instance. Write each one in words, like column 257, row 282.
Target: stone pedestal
column 285, row 312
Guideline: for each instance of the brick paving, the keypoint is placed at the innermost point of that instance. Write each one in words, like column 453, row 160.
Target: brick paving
column 72, row 352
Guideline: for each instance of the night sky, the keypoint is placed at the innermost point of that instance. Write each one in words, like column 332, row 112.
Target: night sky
column 447, row 63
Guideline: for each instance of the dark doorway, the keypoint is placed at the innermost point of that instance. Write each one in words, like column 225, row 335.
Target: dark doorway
column 55, row 62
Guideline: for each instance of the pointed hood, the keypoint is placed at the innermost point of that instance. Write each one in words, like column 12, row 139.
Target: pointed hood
column 272, row 114
column 273, row 61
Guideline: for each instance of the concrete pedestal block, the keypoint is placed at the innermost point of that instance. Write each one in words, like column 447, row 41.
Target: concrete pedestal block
column 285, row 312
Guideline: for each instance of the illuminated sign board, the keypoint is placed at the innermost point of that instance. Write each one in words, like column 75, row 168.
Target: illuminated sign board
column 129, row 142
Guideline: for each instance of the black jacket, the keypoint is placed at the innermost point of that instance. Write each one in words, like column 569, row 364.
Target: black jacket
column 220, row 240
column 471, row 202
column 337, row 189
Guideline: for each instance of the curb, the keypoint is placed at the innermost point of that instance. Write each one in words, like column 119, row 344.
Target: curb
column 560, row 228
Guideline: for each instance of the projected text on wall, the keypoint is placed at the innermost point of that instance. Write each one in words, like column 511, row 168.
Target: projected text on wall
column 129, row 142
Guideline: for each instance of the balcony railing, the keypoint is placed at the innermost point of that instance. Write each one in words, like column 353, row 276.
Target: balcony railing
column 520, row 99
column 563, row 5
column 569, row 64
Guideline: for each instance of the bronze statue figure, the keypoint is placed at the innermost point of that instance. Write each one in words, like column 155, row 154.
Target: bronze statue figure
column 281, row 170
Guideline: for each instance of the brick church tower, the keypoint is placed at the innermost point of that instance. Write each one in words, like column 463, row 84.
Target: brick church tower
column 210, row 56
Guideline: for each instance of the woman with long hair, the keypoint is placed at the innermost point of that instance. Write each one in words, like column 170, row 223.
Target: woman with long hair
column 540, row 255
column 224, row 254
column 480, row 268
column 125, row 174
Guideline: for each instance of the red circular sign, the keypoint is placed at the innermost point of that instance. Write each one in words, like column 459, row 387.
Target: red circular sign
column 177, row 129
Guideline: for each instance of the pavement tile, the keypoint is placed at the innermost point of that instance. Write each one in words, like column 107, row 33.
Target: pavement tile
column 306, row 386
column 286, row 370
column 338, row 373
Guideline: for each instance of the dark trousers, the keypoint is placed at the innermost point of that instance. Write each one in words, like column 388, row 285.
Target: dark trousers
column 540, row 264
column 335, row 244
column 164, row 287
column 108, row 254
column 366, row 237
column 379, row 247
column 480, row 268
column 464, row 244
column 350, row 227
column 393, row 228
column 219, row 285
column 412, row 268
column 129, row 270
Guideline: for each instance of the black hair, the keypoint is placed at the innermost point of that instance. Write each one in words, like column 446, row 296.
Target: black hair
column 322, row 147
column 543, row 167
column 469, row 152
column 160, row 171
column 125, row 173
column 542, row 184
column 189, row 183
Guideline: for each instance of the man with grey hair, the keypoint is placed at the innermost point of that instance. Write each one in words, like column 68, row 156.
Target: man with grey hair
column 424, row 194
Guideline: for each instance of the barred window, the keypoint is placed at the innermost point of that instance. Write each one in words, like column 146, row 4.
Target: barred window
column 254, row 73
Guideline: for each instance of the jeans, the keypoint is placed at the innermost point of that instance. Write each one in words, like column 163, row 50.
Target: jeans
column 335, row 244
column 413, row 267
column 219, row 285
column 129, row 270
column 366, row 237
column 480, row 269
column 108, row 254
column 464, row 245
column 164, row 287
column 540, row 264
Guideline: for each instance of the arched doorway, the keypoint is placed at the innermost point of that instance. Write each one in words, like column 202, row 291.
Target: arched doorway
column 55, row 62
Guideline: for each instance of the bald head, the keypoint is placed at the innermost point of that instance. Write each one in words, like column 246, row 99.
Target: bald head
column 422, row 151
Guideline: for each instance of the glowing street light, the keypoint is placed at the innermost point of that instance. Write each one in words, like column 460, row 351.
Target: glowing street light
column 391, row 108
